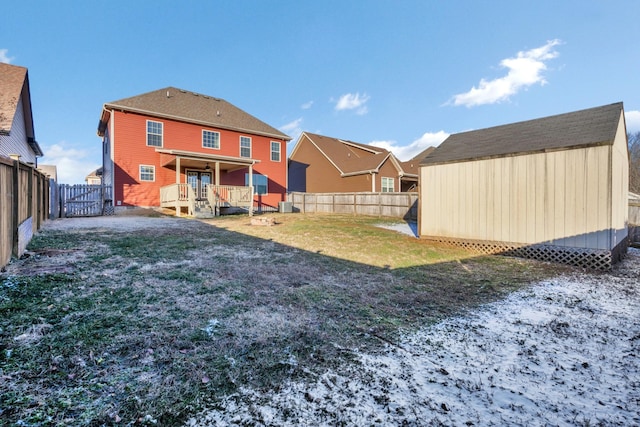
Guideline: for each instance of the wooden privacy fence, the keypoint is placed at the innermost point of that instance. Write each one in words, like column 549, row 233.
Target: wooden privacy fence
column 24, row 206
column 634, row 221
column 85, row 200
column 397, row 205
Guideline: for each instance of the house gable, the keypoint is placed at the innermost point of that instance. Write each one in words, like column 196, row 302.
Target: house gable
column 17, row 134
column 324, row 164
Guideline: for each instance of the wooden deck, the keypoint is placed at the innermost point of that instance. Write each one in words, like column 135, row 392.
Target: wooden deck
column 182, row 198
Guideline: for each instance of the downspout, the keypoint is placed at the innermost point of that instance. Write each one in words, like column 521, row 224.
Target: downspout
column 373, row 181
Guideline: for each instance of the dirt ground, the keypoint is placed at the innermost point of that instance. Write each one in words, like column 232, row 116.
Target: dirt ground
column 564, row 352
column 561, row 352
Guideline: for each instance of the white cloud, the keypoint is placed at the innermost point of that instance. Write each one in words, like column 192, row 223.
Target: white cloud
column 353, row 101
column 4, row 56
column 307, row 105
column 632, row 119
column 73, row 165
column 293, row 129
column 406, row 152
column 524, row 70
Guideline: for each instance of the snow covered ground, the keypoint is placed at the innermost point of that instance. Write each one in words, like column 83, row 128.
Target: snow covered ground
column 562, row 352
column 408, row 228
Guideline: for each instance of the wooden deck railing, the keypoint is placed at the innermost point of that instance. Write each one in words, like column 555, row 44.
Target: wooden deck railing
column 222, row 196
column 178, row 196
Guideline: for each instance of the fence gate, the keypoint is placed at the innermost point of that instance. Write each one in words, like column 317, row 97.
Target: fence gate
column 85, row 200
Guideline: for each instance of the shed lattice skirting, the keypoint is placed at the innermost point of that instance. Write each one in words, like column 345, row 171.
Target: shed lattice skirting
column 596, row 259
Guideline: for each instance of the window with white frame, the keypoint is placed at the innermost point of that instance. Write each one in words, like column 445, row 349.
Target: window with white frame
column 147, row 173
column 259, row 183
column 275, row 151
column 387, row 185
column 211, row 139
column 245, row 146
column 154, row 133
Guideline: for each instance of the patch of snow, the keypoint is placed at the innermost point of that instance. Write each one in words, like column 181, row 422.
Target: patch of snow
column 212, row 325
column 408, row 228
column 562, row 352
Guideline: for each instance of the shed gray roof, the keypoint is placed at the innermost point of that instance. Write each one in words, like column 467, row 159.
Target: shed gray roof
column 584, row 128
column 191, row 107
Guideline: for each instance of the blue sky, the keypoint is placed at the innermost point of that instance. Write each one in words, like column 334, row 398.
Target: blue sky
column 398, row 74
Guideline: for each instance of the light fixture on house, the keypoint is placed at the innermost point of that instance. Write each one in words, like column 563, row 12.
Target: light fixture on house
column 207, row 167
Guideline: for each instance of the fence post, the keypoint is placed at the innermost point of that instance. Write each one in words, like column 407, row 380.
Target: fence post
column 16, row 208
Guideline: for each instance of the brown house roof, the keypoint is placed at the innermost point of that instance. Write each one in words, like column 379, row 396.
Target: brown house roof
column 590, row 127
column 410, row 167
column 182, row 105
column 350, row 158
column 14, row 84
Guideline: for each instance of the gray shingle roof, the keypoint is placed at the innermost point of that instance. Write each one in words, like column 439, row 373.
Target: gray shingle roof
column 590, row 127
column 179, row 104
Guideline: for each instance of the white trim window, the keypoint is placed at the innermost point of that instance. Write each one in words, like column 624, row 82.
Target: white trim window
column 388, row 185
column 210, row 139
column 147, row 173
column 245, row 146
column 260, row 183
column 275, row 151
column 154, row 133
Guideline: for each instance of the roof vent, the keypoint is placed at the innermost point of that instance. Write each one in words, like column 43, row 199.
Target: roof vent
column 167, row 94
column 218, row 113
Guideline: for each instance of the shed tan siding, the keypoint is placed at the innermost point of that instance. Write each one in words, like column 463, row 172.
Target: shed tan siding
column 563, row 198
column 620, row 184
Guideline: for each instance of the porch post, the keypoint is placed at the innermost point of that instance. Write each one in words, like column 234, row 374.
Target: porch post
column 251, row 186
column 217, row 173
column 178, row 208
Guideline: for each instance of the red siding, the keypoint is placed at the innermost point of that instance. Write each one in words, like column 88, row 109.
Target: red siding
column 130, row 150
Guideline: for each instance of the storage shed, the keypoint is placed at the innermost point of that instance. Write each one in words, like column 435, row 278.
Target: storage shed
column 553, row 188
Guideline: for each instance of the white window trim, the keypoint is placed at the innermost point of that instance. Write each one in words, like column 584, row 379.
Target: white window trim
column 161, row 134
column 153, row 168
column 387, row 179
column 279, row 151
column 255, row 186
column 250, row 146
column 212, row 131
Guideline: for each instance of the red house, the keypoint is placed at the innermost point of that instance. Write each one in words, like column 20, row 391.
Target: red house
column 193, row 153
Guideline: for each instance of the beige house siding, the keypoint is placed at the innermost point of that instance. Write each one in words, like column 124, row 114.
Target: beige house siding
column 562, row 198
column 16, row 142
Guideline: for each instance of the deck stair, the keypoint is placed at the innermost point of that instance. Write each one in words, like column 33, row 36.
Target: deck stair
column 203, row 210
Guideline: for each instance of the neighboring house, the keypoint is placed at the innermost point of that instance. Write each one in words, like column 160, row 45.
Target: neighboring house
column 170, row 146
column 17, row 135
column 411, row 170
column 321, row 164
column 94, row 178
column 554, row 188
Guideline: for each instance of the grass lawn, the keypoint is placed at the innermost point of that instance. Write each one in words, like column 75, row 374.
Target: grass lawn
column 150, row 323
